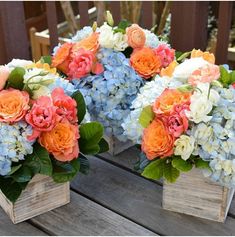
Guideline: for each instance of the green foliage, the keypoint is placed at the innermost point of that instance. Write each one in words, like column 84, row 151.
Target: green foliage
column 170, row 173
column 226, row 78
column 81, row 106
column 84, row 164
column 181, row 164
column 181, row 56
column 16, row 78
column 146, row 116
column 46, row 59
column 155, row 169
column 201, row 164
column 104, row 146
column 122, row 26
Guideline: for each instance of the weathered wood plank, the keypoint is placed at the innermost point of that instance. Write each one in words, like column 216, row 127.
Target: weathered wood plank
column 22, row 229
column 140, row 200
column 85, row 217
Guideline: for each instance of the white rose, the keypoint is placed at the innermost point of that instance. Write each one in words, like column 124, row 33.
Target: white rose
column 120, row 41
column 106, row 36
column 184, row 146
column 19, row 63
column 185, row 69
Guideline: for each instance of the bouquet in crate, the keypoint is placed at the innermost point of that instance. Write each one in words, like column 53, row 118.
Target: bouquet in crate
column 109, row 64
column 41, row 129
column 186, row 120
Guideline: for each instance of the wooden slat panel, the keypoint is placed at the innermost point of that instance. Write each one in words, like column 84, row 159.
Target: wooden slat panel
column 189, row 25
column 147, row 14
column 13, row 38
column 116, row 11
column 52, row 23
column 224, row 24
column 83, row 12
column 84, row 217
column 140, row 200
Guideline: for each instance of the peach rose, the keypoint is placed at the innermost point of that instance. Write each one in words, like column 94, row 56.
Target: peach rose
column 4, row 74
column 90, row 43
column 61, row 141
column 157, row 141
column 135, row 36
column 170, row 98
column 168, row 71
column 13, row 105
column 145, row 62
column 62, row 58
column 207, row 73
column 205, row 55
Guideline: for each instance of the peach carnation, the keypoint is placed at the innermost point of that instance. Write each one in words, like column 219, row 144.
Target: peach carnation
column 165, row 53
column 135, row 36
column 205, row 55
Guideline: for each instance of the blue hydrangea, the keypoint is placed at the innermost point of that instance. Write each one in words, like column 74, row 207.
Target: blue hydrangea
column 109, row 95
column 14, row 144
column 81, row 34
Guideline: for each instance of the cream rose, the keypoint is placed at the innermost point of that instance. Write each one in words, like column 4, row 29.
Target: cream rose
column 106, row 36
column 120, row 41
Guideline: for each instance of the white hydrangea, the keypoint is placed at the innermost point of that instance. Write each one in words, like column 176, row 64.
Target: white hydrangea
column 152, row 40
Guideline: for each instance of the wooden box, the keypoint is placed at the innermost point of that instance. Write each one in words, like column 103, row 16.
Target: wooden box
column 41, row 195
column 195, row 195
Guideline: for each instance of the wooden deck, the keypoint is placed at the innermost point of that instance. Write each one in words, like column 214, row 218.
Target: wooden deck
column 114, row 200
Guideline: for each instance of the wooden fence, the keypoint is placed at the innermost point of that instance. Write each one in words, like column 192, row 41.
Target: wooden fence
column 188, row 26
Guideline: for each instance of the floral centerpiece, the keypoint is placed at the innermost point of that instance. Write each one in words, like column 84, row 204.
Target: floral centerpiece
column 41, row 127
column 109, row 64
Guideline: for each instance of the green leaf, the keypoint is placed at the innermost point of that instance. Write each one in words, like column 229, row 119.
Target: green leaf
column 232, row 77
column 14, row 169
column 84, row 164
column 224, row 76
column 90, row 136
column 39, row 161
column 123, row 24
column 16, row 78
column 46, row 59
column 24, row 174
column 65, row 171
column 146, row 116
column 104, row 146
column 154, row 170
column 170, row 173
column 81, row 106
column 181, row 165
column 183, row 56
column 201, row 164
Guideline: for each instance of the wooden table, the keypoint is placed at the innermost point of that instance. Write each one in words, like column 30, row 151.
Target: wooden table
column 114, row 200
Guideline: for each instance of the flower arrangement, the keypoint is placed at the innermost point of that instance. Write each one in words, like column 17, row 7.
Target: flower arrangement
column 109, row 64
column 41, row 128
column 187, row 119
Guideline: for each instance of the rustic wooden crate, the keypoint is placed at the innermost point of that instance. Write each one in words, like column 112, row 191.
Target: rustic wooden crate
column 41, row 195
column 195, row 195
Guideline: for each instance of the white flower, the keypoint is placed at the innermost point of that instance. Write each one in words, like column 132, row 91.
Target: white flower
column 41, row 91
column 185, row 69
column 152, row 40
column 184, row 146
column 202, row 133
column 19, row 63
column 106, row 36
column 82, row 34
column 119, row 41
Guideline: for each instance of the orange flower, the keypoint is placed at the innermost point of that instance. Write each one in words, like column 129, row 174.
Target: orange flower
column 165, row 103
column 61, row 141
column 157, row 141
column 13, row 105
column 145, row 62
column 135, row 36
column 62, row 58
column 168, row 71
column 90, row 43
column 205, row 55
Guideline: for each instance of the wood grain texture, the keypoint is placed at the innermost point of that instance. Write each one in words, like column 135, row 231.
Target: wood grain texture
column 85, row 217
column 140, row 200
column 42, row 194
column 195, row 195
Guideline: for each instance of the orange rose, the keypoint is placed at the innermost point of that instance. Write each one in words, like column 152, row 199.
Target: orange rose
column 61, row 141
column 157, row 141
column 168, row 71
column 145, row 62
column 135, row 36
column 13, row 105
column 62, row 58
column 90, row 43
column 205, row 55
column 165, row 103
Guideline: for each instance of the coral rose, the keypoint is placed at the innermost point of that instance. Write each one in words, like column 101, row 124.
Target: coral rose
column 90, row 43
column 61, row 141
column 42, row 116
column 135, row 36
column 13, row 105
column 4, row 74
column 168, row 71
column 209, row 57
column 62, row 58
column 66, row 107
column 165, row 53
column 207, row 73
column 145, row 62
column 157, row 141
column 170, row 98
